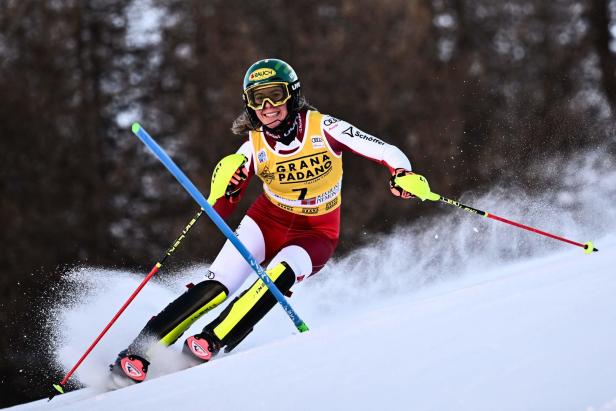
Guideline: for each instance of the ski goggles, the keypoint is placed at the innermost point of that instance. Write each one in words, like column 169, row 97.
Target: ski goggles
column 276, row 94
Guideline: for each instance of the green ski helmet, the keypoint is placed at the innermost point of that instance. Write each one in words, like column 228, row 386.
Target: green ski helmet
column 278, row 84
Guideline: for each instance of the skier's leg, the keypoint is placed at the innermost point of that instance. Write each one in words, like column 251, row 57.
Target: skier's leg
column 239, row 318
column 230, row 267
column 307, row 254
column 226, row 274
column 167, row 326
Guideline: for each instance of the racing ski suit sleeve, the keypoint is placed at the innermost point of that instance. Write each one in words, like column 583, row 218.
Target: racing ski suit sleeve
column 343, row 136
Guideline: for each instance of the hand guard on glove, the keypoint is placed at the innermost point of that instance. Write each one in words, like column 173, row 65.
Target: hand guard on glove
column 235, row 184
column 396, row 190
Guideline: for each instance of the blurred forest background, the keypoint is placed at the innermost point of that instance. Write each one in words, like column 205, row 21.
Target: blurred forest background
column 476, row 92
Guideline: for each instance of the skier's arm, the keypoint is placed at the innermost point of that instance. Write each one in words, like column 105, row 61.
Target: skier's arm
column 343, row 136
column 238, row 184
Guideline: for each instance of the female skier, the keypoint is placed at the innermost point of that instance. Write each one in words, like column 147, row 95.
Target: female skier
column 297, row 153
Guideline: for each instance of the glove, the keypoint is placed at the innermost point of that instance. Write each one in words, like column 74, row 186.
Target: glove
column 235, row 184
column 396, row 190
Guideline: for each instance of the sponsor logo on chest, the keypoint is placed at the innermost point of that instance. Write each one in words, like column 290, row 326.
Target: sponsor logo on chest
column 261, row 156
column 266, row 175
column 317, row 142
column 306, row 169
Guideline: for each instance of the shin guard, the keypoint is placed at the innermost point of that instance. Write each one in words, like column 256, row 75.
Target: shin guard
column 166, row 327
column 239, row 318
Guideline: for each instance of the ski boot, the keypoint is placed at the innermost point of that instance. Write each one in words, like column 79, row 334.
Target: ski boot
column 202, row 346
column 128, row 369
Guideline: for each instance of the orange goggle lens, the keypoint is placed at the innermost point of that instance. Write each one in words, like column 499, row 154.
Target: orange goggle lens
column 276, row 94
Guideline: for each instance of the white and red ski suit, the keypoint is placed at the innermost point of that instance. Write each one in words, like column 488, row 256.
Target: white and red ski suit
column 285, row 223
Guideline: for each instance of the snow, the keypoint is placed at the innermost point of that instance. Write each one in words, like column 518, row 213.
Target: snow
column 533, row 335
column 459, row 313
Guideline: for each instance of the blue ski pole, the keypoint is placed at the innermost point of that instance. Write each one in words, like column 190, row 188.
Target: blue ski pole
column 220, row 223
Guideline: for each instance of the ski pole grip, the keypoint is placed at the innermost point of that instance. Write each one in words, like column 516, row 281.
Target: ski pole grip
column 417, row 185
column 223, row 172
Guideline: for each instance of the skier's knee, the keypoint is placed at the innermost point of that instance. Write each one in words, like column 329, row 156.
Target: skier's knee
column 297, row 258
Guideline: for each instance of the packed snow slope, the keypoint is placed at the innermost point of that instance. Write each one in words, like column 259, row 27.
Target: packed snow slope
column 458, row 313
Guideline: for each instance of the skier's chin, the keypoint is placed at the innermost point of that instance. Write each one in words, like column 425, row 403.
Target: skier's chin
column 272, row 124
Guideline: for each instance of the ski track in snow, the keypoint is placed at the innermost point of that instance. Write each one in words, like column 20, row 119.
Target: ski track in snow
column 455, row 313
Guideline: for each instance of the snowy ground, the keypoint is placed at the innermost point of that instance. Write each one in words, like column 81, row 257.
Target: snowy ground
column 459, row 314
